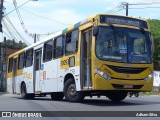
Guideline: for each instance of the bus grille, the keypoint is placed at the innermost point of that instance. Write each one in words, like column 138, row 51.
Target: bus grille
column 126, row 69
column 122, row 86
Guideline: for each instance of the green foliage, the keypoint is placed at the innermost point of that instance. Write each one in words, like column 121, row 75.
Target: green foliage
column 155, row 30
column 13, row 44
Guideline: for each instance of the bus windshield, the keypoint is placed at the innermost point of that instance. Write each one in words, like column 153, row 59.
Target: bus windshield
column 123, row 45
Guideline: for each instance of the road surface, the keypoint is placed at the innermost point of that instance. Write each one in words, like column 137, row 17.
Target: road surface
column 10, row 102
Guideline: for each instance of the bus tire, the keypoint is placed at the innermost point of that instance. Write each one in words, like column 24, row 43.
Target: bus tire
column 117, row 96
column 70, row 92
column 24, row 91
column 57, row 96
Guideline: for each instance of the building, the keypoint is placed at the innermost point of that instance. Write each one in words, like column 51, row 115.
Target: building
column 5, row 51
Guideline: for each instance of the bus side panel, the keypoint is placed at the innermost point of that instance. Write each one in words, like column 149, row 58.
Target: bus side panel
column 9, row 85
column 77, row 77
column 17, row 82
column 64, row 69
column 49, row 76
column 27, row 77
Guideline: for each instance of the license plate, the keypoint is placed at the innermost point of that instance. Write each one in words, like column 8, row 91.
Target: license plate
column 128, row 86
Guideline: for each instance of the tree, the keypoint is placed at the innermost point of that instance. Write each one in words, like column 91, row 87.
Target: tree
column 13, row 44
column 155, row 30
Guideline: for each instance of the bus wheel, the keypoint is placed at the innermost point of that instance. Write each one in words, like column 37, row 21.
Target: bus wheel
column 57, row 96
column 70, row 92
column 23, row 91
column 117, row 96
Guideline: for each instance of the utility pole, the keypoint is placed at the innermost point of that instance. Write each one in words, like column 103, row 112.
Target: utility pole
column 35, row 38
column 127, row 9
column 5, row 65
column 126, row 5
column 1, row 14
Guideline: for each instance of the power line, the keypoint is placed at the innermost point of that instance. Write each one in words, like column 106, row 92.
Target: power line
column 144, row 8
column 16, row 8
column 20, row 18
column 120, row 7
column 113, row 10
column 144, row 3
column 45, row 17
column 9, row 30
column 22, row 22
column 6, row 34
column 12, row 30
column 40, row 15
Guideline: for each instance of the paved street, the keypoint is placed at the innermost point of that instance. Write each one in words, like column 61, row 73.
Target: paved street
column 9, row 102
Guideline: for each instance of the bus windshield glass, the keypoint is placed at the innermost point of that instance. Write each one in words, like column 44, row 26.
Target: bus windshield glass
column 123, row 45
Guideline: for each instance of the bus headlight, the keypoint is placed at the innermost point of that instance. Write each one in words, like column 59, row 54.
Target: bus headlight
column 102, row 74
column 148, row 77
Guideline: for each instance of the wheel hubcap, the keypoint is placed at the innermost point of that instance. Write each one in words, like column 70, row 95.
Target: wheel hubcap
column 72, row 90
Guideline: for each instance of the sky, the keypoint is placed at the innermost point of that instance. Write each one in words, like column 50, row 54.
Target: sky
column 48, row 16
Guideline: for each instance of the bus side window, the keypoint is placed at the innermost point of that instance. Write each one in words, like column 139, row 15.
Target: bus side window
column 29, row 58
column 21, row 60
column 10, row 65
column 48, row 51
column 59, row 47
column 71, row 42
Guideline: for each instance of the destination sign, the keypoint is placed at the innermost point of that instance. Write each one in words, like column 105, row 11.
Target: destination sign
column 123, row 21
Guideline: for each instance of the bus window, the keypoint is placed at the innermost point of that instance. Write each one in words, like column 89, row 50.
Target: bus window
column 29, row 58
column 48, row 51
column 59, row 47
column 10, row 65
column 71, row 42
column 21, row 61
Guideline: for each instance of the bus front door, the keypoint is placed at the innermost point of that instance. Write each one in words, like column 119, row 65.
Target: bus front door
column 86, row 48
column 37, row 70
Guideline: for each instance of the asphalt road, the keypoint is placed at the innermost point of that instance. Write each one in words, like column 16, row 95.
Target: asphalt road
column 10, row 102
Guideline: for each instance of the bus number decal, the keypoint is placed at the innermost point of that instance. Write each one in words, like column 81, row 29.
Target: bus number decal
column 64, row 62
column 27, row 75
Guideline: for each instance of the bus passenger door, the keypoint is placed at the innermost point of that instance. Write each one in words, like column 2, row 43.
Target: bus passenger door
column 86, row 48
column 14, row 78
column 37, row 70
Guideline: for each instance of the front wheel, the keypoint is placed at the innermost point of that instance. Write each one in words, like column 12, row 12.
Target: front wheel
column 70, row 92
column 117, row 96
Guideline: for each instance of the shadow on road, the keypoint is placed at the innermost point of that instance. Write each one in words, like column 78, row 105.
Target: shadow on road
column 126, row 102
column 103, row 102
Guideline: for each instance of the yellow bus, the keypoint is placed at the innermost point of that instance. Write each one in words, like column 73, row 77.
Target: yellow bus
column 104, row 55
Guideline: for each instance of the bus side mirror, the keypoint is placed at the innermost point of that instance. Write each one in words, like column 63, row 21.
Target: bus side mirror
column 95, row 31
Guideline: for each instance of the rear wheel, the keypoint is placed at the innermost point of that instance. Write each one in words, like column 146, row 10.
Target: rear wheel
column 70, row 92
column 57, row 96
column 117, row 96
column 24, row 93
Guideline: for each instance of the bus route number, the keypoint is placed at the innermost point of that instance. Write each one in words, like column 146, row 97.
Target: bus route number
column 27, row 75
column 64, row 62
